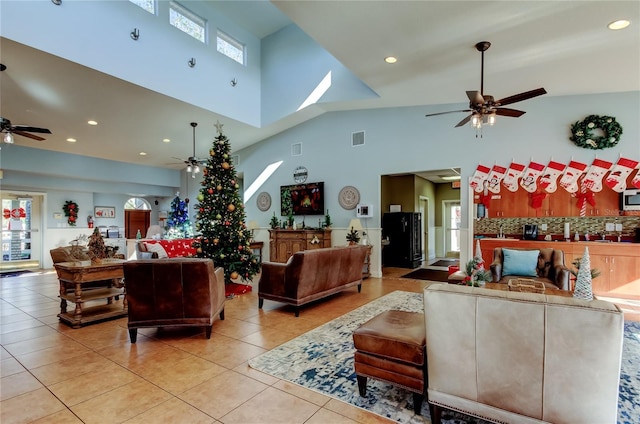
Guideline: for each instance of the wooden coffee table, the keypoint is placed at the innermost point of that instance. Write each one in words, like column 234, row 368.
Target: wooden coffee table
column 76, row 275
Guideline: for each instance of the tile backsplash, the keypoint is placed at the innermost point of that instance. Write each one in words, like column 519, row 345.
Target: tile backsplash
column 555, row 226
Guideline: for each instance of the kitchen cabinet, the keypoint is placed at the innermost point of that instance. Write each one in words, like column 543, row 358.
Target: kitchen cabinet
column 284, row 243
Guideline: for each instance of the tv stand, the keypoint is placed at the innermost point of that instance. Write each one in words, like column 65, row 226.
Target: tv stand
column 284, row 243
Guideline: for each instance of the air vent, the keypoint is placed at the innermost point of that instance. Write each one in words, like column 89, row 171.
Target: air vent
column 296, row 149
column 357, row 138
column 235, row 160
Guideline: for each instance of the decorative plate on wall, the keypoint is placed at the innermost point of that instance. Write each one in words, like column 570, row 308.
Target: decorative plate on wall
column 349, row 197
column 264, row 201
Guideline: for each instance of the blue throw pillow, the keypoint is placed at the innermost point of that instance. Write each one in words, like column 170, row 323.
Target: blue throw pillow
column 520, row 262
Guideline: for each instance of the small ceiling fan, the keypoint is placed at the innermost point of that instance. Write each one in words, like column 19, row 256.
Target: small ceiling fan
column 23, row 130
column 483, row 108
column 192, row 162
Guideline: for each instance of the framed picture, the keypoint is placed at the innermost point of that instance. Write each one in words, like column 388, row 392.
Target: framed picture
column 104, row 212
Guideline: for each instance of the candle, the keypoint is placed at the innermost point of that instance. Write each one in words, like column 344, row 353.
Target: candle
column 567, row 231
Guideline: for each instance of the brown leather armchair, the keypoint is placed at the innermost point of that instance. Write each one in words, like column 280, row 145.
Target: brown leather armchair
column 550, row 269
column 182, row 292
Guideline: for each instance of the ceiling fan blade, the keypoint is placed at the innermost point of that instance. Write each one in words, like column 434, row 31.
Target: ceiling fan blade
column 451, row 111
column 475, row 98
column 521, row 96
column 464, row 121
column 25, row 134
column 505, row 111
column 17, row 128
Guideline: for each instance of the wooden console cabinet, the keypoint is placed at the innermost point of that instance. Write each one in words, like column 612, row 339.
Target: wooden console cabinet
column 284, row 243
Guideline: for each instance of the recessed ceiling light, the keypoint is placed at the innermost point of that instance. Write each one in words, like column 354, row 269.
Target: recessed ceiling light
column 166, row 140
column 143, row 153
column 71, row 140
column 619, row 24
column 390, row 59
column 92, row 122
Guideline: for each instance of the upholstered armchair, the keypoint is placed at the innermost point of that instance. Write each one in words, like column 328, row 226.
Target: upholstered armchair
column 545, row 265
column 178, row 292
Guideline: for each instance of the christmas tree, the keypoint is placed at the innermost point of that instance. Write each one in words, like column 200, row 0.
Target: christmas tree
column 220, row 216
column 178, row 224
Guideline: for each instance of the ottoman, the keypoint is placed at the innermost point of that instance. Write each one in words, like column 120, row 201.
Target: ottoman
column 391, row 347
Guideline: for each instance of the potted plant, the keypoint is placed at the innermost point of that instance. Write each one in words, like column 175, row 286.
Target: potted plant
column 476, row 274
column 274, row 223
column 327, row 221
column 353, row 237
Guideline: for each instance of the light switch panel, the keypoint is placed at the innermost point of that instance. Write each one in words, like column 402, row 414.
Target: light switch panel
column 618, row 227
column 609, row 226
column 543, row 227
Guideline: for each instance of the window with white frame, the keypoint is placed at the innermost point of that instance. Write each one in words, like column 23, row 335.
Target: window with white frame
column 187, row 22
column 230, row 47
column 148, row 5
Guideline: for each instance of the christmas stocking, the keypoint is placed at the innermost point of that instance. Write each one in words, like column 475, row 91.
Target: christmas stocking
column 636, row 180
column 510, row 180
column 550, row 176
column 569, row 180
column 495, row 176
column 530, row 176
column 617, row 178
column 593, row 179
column 479, row 177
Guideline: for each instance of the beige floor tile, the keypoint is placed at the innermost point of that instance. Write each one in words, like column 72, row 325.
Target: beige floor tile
column 19, row 326
column 325, row 416
column 122, row 404
column 245, row 369
column 16, row 317
column 221, row 394
column 303, row 393
column 355, row 413
column 62, row 417
column 66, row 369
column 222, row 350
column 10, row 366
column 18, row 384
column 235, row 328
column 269, row 338
column 172, row 411
column 273, row 406
column 29, row 407
column 36, row 344
column 69, row 349
column 83, row 387
column 132, row 353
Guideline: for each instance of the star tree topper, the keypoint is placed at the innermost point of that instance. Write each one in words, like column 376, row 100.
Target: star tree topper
column 218, row 126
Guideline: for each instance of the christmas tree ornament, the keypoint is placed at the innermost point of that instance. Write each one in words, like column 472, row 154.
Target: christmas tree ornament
column 584, row 281
column 572, row 173
column 200, row 197
column 234, row 275
column 549, row 178
column 495, row 177
column 617, row 178
column 479, row 177
column 219, row 187
column 225, row 165
column 593, row 178
column 512, row 176
column 530, row 176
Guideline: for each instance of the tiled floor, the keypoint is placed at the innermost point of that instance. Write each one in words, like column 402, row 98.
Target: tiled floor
column 52, row 373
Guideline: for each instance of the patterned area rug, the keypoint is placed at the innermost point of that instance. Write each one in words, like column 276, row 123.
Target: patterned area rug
column 322, row 360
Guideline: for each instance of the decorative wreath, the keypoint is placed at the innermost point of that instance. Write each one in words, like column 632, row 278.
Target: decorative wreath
column 70, row 209
column 583, row 132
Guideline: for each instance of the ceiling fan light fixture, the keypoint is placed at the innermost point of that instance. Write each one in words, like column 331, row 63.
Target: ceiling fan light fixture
column 196, row 169
column 189, row 169
column 491, row 119
column 476, row 121
column 8, row 138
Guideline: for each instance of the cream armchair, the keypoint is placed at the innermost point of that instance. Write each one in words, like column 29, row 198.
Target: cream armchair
column 516, row 357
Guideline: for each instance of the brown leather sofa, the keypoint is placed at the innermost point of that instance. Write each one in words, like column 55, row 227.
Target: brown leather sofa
column 513, row 357
column 549, row 270
column 311, row 275
column 181, row 292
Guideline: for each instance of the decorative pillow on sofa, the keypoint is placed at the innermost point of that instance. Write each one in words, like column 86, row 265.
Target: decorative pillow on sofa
column 520, row 262
column 155, row 247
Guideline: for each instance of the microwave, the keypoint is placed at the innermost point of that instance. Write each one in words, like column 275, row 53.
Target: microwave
column 630, row 200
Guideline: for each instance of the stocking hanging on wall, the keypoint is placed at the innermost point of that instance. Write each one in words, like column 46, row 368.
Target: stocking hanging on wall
column 617, row 178
column 510, row 180
column 528, row 181
column 495, row 176
column 593, row 179
column 569, row 180
column 636, row 180
column 479, row 177
column 548, row 181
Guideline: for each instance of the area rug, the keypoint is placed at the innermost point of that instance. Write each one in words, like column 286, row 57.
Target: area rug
column 233, row 289
column 446, row 262
column 428, row 274
column 322, row 360
column 14, row 273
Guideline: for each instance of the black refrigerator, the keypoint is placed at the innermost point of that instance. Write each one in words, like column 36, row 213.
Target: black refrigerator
column 404, row 232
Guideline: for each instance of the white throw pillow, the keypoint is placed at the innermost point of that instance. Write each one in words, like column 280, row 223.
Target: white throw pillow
column 156, row 247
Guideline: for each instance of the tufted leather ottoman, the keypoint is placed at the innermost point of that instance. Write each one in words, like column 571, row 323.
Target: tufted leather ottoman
column 391, row 347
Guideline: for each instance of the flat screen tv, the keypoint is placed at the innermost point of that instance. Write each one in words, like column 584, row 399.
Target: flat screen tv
column 302, row 199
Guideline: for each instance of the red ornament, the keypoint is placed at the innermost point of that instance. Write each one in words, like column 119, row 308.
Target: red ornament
column 210, row 191
column 240, row 247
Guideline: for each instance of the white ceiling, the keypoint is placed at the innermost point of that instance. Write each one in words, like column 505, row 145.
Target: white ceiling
column 563, row 46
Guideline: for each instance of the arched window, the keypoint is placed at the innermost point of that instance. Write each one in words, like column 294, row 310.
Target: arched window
column 137, row 203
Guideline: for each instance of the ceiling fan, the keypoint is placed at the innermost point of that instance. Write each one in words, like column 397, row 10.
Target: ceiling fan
column 192, row 162
column 23, row 130
column 483, row 108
